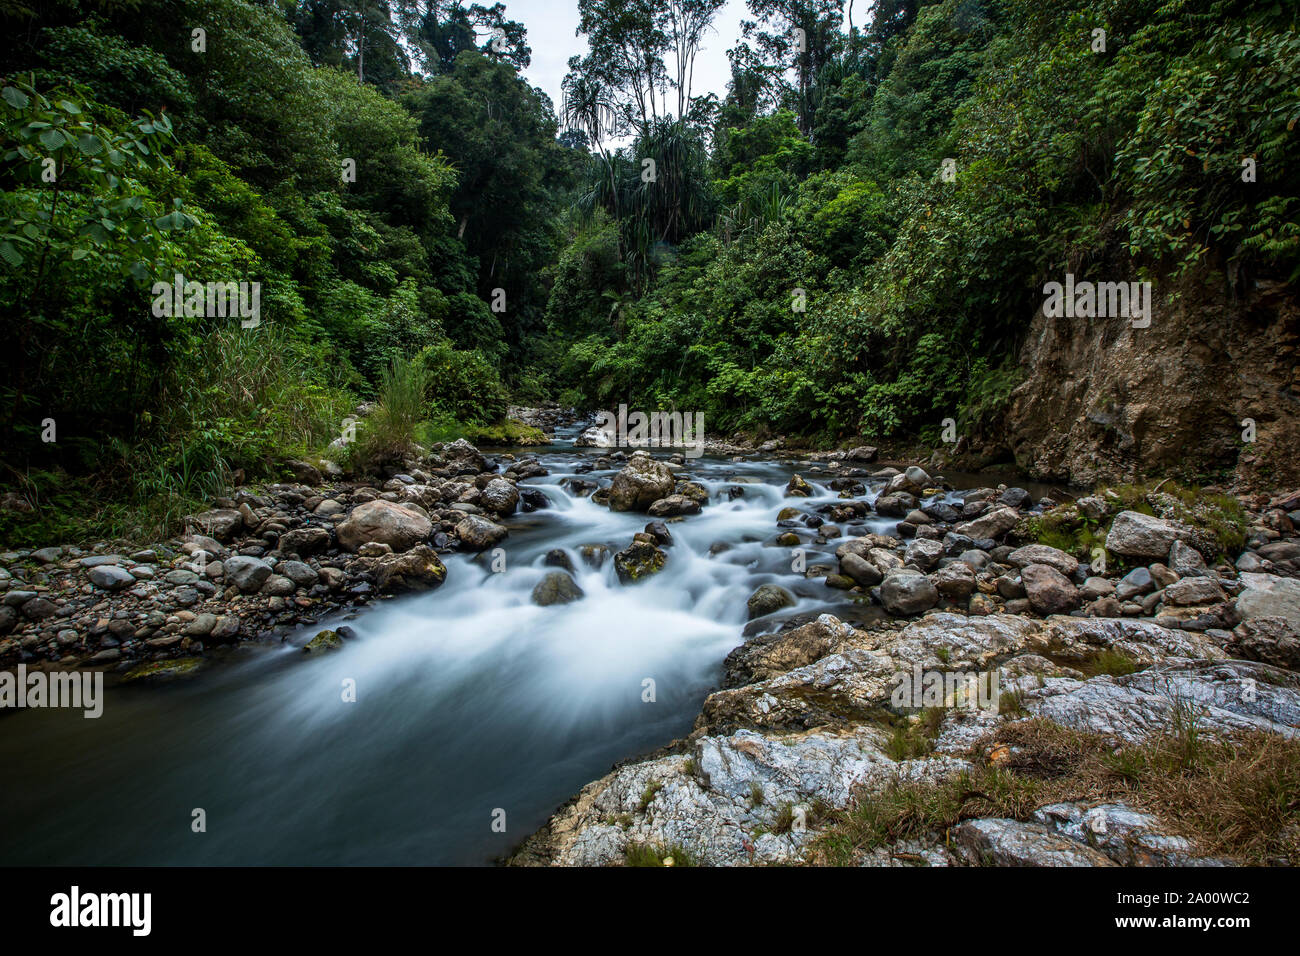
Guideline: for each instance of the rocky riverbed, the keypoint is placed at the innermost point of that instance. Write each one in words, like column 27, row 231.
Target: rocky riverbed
column 866, row 572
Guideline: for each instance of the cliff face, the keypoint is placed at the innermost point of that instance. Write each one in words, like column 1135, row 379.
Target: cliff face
column 1103, row 401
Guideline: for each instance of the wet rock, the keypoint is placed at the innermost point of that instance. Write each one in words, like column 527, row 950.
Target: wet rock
column 859, row 571
column 674, row 505
column 322, row 642
column 659, row 531
column 477, row 533
column 533, row 499
column 1017, row 498
column 558, row 558
column 639, row 559
column 416, row 570
column 499, row 497
column 557, row 587
column 641, row 483
column 398, row 526
column 798, row 488
column 768, row 598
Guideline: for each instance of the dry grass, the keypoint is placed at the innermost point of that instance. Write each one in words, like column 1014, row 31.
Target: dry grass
column 1238, row 798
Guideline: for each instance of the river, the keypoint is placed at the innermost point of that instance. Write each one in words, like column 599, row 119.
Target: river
column 476, row 711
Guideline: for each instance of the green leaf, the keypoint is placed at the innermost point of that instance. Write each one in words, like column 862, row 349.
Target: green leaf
column 15, row 98
column 7, row 252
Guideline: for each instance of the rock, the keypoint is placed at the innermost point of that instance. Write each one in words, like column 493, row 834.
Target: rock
column 1269, row 639
column 1042, row 554
column 156, row 672
column 328, row 508
column 992, row 525
column 1161, row 575
column 639, row 559
column 219, row 523
column 1136, row 582
column 322, row 642
column 558, row 558
column 110, row 577
column 659, row 531
column 674, row 505
column 777, row 653
column 226, row 629
column 398, row 526
column 907, row 592
column 1192, row 591
column 1268, row 595
column 641, row 483
column 277, row 585
column 416, row 570
column 304, row 472
column 1096, row 587
column 39, row 608
column 1049, row 591
column 923, row 553
column 956, row 581
column 533, row 499
column 246, row 573
column 461, row 454
column 1185, row 561
column 477, row 533
column 1017, row 498
column 47, row 555
column 768, row 598
column 862, row 453
column 860, row 571
column 499, row 497
column 798, row 488
column 557, row 587
column 374, row 549
column 1127, row 836
column 895, row 505
column 912, row 481
column 1136, row 535
column 1005, row 842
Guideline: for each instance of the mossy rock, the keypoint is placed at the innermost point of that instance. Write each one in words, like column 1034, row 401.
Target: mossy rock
column 162, row 671
column 324, row 641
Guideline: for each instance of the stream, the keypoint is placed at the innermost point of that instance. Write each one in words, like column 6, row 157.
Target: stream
column 473, row 706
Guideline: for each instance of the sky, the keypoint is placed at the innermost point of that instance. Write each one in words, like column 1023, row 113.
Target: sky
column 551, row 25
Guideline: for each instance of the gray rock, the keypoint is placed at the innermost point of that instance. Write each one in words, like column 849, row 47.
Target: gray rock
column 110, row 577
column 1136, row 535
column 400, row 527
column 557, row 587
column 641, row 483
column 907, row 592
column 499, row 497
column 1005, row 842
column 1042, row 554
column 300, row 573
column 1185, row 561
column 477, row 533
column 1136, row 582
column 246, row 573
column 1193, row 591
column 992, row 525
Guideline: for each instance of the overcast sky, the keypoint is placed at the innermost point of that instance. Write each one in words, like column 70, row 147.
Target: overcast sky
column 551, row 34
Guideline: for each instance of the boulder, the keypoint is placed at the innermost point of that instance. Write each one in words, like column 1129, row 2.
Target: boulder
column 398, row 526
column 674, row 505
column 1192, row 591
column 499, row 497
column 477, row 533
column 796, row 487
column 1043, row 554
column 416, row 570
column 907, row 592
column 992, row 525
column 219, row 523
column 639, row 559
column 1049, row 591
column 304, row 541
column 641, row 483
column 246, row 573
column 556, row 588
column 1136, row 535
column 768, row 598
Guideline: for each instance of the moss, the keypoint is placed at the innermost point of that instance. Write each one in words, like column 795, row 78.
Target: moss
column 165, row 670
column 506, row 432
column 324, row 641
column 659, row 854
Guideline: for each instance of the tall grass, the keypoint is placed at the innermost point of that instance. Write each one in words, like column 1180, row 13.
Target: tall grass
column 391, row 430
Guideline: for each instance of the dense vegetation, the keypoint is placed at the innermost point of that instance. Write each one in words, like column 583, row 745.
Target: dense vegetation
column 431, row 232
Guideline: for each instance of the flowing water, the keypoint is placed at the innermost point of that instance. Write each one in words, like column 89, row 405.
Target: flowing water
column 473, row 705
